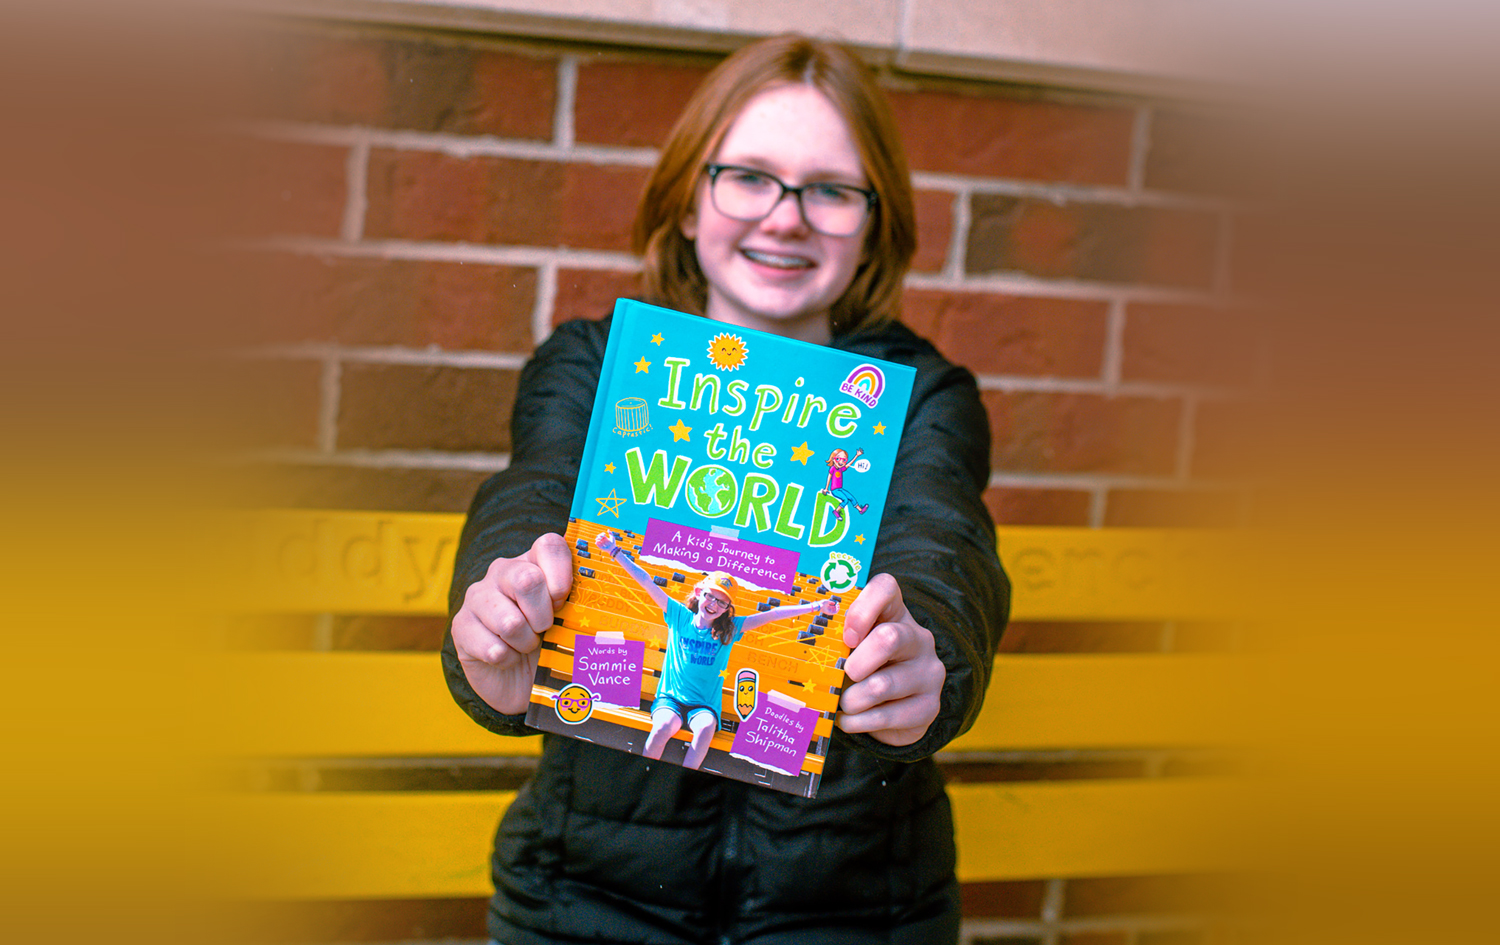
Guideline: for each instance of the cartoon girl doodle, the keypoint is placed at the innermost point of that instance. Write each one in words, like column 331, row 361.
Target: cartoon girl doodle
column 701, row 632
column 838, row 461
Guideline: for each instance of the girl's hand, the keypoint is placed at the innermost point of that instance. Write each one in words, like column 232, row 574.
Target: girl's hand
column 497, row 632
column 830, row 607
column 606, row 543
column 896, row 677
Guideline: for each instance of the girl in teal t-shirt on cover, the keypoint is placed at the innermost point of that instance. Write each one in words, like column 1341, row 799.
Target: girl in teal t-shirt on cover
column 701, row 633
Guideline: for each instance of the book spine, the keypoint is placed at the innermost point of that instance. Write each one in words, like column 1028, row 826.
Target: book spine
column 601, row 414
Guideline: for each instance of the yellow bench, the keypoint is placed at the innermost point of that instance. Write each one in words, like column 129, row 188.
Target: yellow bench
column 435, row 844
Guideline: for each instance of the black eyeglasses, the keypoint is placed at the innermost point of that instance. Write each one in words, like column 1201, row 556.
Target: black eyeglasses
column 744, row 193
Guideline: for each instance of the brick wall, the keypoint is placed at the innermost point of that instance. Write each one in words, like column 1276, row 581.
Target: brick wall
column 433, row 206
column 428, row 207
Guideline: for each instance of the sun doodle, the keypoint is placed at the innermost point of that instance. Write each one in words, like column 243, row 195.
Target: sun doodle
column 727, row 352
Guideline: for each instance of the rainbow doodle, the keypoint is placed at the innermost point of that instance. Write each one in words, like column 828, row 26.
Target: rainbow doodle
column 866, row 382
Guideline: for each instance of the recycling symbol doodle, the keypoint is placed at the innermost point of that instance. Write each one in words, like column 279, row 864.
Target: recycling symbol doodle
column 838, row 574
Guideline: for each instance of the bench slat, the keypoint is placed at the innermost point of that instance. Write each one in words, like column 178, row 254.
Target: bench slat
column 395, row 705
column 401, row 563
column 419, row 845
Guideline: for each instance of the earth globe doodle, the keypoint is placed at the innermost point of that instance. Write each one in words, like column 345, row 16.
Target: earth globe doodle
column 711, row 491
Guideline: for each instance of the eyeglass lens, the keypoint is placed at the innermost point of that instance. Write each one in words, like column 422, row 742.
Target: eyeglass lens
column 747, row 194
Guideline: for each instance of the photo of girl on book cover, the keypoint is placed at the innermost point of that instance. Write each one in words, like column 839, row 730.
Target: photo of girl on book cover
column 701, row 631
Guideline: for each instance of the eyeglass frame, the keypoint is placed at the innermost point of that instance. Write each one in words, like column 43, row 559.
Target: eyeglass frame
column 714, row 170
column 723, row 605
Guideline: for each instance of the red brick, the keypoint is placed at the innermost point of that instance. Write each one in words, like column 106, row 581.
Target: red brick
column 1099, row 242
column 1205, row 154
column 1052, row 432
column 423, row 195
column 1192, row 344
column 364, row 487
column 1188, row 637
column 1228, row 442
column 1015, row 899
column 401, row 406
column 597, row 205
column 631, row 103
column 1010, row 506
column 1023, row 636
column 411, row 303
column 1000, row 137
column 363, row 920
column 1161, row 508
column 270, row 632
column 591, row 293
column 961, row 772
column 271, row 403
column 934, row 229
column 389, row 633
column 292, row 189
column 1007, row 334
column 340, row 81
column 420, row 86
column 1140, row 895
column 468, row 91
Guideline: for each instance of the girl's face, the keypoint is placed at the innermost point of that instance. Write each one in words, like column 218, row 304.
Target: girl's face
column 778, row 274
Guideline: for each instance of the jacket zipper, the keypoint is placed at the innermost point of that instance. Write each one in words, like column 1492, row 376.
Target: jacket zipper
column 729, row 849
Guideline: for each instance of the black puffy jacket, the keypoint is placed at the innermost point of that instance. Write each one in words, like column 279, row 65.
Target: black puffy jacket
column 603, row 846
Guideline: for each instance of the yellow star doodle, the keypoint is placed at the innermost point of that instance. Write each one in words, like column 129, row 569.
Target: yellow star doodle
column 801, row 454
column 859, row 539
column 654, row 642
column 609, row 467
column 878, row 429
column 585, row 622
column 610, row 503
column 656, row 339
column 643, row 366
column 680, row 430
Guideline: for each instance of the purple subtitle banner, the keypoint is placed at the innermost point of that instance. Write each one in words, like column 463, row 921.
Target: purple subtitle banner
column 775, row 736
column 611, row 671
column 762, row 565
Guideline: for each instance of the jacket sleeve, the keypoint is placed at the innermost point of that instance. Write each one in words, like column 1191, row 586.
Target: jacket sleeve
column 532, row 495
column 938, row 540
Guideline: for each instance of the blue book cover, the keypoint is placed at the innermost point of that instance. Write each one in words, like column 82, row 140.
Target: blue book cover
column 727, row 508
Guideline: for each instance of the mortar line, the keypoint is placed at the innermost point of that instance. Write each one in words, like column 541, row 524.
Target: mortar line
column 1084, row 482
column 1098, row 500
column 1061, row 193
column 372, row 459
column 1140, row 149
column 567, row 97
column 1223, row 277
column 356, row 198
column 415, row 356
column 453, row 145
column 322, row 638
column 1052, row 901
column 546, row 302
column 1187, row 437
column 1019, row 282
column 1092, row 385
column 958, row 243
column 1114, row 345
column 330, row 391
column 499, row 255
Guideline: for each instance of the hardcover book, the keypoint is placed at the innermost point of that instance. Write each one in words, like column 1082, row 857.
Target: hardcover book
column 727, row 508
